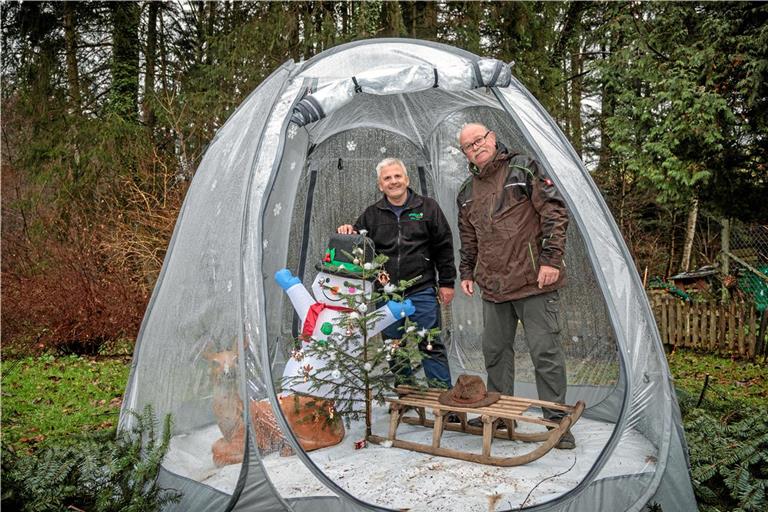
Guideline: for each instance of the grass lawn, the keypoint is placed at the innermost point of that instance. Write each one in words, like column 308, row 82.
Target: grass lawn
column 48, row 400
column 730, row 381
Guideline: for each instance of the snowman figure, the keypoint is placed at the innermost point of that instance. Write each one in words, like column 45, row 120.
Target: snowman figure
column 339, row 277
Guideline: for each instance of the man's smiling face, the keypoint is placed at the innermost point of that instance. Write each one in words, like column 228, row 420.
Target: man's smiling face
column 393, row 182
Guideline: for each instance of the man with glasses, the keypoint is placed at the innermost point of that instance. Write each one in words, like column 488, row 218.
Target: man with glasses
column 512, row 226
column 413, row 232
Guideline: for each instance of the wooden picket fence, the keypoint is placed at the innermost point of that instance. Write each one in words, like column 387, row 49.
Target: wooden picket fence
column 727, row 330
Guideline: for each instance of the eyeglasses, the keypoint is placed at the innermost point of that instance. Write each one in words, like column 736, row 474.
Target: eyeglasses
column 475, row 143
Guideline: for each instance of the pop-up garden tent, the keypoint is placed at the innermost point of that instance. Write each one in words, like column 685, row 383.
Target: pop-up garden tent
column 297, row 159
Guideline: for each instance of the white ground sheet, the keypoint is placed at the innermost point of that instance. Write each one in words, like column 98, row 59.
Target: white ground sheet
column 402, row 479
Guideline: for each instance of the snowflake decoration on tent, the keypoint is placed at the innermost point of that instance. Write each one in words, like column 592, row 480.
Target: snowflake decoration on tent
column 351, row 145
column 382, row 150
column 276, row 209
column 264, row 244
column 292, row 130
column 293, row 165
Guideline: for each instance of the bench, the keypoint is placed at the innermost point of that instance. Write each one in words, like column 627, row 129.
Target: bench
column 507, row 411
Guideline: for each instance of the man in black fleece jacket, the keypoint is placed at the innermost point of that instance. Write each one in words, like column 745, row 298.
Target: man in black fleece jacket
column 413, row 232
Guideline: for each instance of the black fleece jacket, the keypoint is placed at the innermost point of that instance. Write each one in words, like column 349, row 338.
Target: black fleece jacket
column 418, row 244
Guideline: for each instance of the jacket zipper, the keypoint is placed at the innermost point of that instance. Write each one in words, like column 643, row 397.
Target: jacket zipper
column 399, row 231
column 533, row 262
column 490, row 210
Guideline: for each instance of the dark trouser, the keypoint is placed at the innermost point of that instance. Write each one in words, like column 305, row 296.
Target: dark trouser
column 435, row 362
column 539, row 316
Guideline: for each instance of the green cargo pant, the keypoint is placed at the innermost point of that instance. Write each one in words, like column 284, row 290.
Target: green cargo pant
column 539, row 315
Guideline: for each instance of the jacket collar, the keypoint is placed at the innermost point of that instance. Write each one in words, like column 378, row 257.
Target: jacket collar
column 502, row 155
column 413, row 201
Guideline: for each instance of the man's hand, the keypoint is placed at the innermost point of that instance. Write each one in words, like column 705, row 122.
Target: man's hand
column 346, row 229
column 547, row 275
column 468, row 287
column 445, row 294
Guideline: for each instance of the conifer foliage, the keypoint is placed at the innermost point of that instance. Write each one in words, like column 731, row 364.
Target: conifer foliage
column 729, row 460
column 99, row 474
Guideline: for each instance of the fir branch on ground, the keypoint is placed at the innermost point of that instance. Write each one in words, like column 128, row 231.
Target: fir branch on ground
column 98, row 473
column 727, row 433
column 729, row 461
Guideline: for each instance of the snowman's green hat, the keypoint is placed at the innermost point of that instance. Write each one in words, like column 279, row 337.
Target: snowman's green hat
column 346, row 255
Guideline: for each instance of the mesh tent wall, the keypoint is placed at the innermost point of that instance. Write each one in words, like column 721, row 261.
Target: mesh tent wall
column 271, row 187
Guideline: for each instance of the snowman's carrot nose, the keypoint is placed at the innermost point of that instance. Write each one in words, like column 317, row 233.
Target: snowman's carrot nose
column 334, row 290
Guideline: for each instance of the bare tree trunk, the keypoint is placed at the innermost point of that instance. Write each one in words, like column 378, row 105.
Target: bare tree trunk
column 124, row 95
column 209, row 29
column 346, row 12
column 571, row 24
column 70, row 39
column 608, row 104
column 671, row 245
column 150, row 58
column 690, row 232
column 725, row 247
column 163, row 59
column 420, row 19
column 391, row 20
column 577, row 67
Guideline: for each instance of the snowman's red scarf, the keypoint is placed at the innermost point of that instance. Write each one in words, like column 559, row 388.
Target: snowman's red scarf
column 314, row 311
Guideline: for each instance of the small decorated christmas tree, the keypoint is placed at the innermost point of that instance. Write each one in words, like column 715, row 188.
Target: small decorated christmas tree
column 357, row 365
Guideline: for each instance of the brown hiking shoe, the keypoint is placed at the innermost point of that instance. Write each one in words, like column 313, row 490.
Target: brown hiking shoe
column 477, row 422
column 452, row 418
column 567, row 441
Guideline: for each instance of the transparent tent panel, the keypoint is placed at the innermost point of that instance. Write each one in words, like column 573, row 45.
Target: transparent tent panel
column 195, row 313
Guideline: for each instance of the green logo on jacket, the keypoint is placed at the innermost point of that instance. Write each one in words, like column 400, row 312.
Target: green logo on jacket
column 416, row 216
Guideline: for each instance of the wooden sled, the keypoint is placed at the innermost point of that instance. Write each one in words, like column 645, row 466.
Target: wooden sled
column 508, row 410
